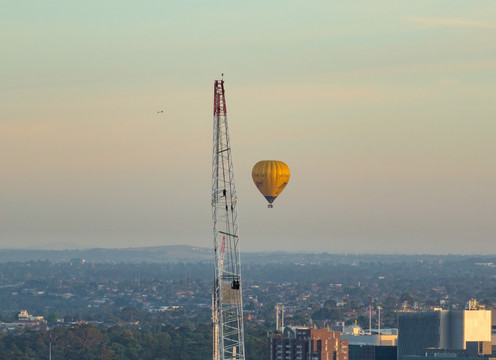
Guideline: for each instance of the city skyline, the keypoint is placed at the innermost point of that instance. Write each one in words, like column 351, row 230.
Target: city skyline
column 383, row 113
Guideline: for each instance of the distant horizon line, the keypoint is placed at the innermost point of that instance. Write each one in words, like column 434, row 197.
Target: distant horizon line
column 323, row 252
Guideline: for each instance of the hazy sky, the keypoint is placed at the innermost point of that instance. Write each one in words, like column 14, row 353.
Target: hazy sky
column 383, row 110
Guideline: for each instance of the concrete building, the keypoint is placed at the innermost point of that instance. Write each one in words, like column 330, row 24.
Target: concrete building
column 440, row 331
column 307, row 344
column 24, row 320
column 26, row 317
column 370, row 345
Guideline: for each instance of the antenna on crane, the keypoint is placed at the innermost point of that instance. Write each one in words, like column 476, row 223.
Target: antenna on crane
column 227, row 306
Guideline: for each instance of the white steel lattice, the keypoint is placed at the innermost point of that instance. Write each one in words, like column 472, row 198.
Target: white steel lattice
column 227, row 306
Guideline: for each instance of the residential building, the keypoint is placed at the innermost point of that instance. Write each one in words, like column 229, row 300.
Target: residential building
column 307, row 344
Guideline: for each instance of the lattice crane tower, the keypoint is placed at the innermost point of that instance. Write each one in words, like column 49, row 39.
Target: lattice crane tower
column 227, row 306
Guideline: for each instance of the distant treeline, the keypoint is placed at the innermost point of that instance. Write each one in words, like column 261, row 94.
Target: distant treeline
column 88, row 342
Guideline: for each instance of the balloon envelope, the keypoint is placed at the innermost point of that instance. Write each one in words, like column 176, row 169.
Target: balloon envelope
column 270, row 177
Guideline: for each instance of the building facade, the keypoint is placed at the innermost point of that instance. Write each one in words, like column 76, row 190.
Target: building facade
column 307, row 344
column 423, row 333
column 372, row 352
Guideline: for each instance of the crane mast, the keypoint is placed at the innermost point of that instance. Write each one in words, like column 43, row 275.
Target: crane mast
column 227, row 307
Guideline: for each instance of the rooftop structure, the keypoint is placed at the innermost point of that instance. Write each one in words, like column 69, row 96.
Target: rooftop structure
column 357, row 336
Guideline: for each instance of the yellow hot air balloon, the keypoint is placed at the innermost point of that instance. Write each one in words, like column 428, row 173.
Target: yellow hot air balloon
column 270, row 177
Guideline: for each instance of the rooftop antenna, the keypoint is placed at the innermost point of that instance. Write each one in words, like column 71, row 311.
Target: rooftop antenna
column 370, row 319
column 379, row 325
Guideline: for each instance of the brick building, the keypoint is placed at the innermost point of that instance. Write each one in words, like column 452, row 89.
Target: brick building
column 307, row 344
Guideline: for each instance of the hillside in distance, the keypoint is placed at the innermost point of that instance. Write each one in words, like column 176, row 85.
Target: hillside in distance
column 194, row 254
column 155, row 254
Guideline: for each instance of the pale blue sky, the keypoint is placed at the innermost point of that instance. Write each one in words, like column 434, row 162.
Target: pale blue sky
column 383, row 110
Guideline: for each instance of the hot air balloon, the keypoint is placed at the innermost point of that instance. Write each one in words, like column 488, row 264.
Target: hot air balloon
column 270, row 177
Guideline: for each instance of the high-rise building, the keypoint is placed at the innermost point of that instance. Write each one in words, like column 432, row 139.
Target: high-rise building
column 422, row 333
column 308, row 344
